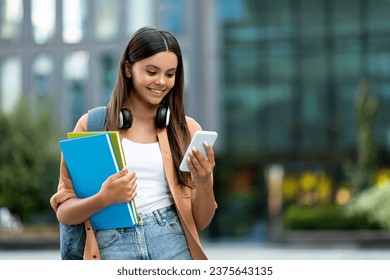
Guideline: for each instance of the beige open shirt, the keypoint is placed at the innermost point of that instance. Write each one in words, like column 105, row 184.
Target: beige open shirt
column 182, row 196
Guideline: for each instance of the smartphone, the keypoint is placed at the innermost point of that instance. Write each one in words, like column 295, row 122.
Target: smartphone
column 197, row 141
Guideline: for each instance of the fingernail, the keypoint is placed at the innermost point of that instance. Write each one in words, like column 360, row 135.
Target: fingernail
column 193, row 149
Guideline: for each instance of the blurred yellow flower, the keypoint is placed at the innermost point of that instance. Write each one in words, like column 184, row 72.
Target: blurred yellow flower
column 324, row 186
column 290, row 187
column 307, row 181
column 382, row 177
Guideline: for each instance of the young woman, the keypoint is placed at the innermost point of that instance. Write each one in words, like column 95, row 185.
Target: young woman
column 147, row 107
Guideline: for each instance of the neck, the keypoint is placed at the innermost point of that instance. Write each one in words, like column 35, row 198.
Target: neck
column 141, row 111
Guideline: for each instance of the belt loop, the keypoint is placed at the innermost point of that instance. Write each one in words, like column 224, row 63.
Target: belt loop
column 140, row 219
column 158, row 217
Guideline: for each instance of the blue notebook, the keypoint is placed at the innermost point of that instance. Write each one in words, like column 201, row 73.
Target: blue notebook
column 90, row 161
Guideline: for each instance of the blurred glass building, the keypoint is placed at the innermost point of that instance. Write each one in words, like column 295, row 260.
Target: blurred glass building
column 276, row 78
column 70, row 49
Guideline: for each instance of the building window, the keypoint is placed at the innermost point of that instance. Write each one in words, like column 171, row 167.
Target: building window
column 108, row 75
column 75, row 85
column 172, row 15
column 11, row 17
column 43, row 20
column 42, row 75
column 139, row 14
column 10, row 83
column 107, row 20
column 312, row 19
column 378, row 11
column 346, row 17
column 74, row 21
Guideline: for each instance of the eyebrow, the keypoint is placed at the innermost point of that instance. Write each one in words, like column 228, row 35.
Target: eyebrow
column 154, row 66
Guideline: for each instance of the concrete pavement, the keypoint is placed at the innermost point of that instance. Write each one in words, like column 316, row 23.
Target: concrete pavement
column 244, row 251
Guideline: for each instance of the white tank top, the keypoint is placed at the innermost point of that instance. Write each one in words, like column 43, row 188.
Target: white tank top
column 152, row 188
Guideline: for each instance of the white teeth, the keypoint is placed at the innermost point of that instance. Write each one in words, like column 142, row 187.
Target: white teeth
column 156, row 90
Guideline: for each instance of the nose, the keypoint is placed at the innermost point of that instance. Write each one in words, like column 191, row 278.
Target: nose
column 160, row 80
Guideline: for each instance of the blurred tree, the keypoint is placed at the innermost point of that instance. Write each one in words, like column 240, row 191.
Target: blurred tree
column 29, row 158
column 361, row 174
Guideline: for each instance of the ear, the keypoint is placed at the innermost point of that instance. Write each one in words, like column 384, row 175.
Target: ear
column 127, row 69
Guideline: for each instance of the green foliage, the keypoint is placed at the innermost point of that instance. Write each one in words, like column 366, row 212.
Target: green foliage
column 366, row 108
column 29, row 158
column 372, row 203
column 241, row 204
column 325, row 218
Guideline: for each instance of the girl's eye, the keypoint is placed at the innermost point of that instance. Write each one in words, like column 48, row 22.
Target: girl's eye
column 151, row 73
column 170, row 75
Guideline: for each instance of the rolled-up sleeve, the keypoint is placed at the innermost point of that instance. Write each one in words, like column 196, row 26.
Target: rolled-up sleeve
column 65, row 188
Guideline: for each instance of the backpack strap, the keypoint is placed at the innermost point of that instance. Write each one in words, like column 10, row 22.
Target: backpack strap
column 96, row 118
column 96, row 121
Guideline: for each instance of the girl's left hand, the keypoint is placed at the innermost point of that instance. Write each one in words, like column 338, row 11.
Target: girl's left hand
column 201, row 167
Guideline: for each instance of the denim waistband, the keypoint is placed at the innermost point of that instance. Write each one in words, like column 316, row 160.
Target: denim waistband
column 159, row 215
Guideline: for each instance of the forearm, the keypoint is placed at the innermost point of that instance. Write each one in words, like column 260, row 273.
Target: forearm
column 203, row 204
column 75, row 211
column 118, row 188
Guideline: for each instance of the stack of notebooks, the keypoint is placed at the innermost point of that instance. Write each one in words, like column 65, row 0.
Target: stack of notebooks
column 91, row 157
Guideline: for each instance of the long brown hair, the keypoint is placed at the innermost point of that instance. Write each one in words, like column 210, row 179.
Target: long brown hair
column 146, row 42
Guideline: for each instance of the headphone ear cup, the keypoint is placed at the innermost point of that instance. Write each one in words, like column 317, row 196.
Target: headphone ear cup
column 125, row 119
column 163, row 116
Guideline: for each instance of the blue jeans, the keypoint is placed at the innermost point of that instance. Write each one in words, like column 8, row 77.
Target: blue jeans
column 158, row 236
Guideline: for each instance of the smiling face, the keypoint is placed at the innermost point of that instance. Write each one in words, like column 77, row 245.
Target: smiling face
column 153, row 77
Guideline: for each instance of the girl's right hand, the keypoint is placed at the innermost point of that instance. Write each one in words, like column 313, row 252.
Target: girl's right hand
column 118, row 188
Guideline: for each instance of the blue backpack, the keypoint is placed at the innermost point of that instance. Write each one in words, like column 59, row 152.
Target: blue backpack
column 72, row 237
